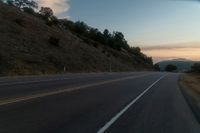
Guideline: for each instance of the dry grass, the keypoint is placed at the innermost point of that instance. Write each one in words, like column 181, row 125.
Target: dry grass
column 25, row 49
column 192, row 83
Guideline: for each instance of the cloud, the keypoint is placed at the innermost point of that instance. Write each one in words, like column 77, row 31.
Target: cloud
column 188, row 50
column 58, row 6
column 172, row 46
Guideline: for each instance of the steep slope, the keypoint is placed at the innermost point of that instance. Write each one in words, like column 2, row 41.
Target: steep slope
column 29, row 46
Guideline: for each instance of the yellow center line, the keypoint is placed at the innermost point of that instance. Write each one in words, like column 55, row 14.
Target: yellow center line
column 45, row 94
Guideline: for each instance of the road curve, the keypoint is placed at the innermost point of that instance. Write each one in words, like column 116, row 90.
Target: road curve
column 145, row 102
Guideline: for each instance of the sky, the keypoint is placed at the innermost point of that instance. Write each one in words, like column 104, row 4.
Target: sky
column 164, row 29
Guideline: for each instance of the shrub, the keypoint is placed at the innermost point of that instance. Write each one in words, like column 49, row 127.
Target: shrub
column 49, row 23
column 28, row 10
column 54, row 41
column 95, row 45
column 19, row 21
column 46, row 12
column 170, row 68
column 52, row 21
column 196, row 68
column 157, row 67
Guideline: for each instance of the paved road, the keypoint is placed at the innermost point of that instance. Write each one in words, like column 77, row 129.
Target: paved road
column 145, row 102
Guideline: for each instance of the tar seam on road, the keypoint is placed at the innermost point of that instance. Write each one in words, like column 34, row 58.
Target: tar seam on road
column 117, row 116
column 26, row 98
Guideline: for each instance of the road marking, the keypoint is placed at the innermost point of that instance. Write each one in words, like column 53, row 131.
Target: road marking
column 117, row 116
column 37, row 81
column 26, row 98
column 42, row 80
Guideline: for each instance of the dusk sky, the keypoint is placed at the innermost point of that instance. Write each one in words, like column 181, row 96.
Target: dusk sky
column 164, row 29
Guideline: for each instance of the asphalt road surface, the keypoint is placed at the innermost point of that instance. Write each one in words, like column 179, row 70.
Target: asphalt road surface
column 145, row 102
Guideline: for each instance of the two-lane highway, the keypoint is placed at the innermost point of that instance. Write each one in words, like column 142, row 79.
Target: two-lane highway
column 144, row 102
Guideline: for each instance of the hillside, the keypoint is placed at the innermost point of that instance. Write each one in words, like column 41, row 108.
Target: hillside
column 29, row 46
column 182, row 64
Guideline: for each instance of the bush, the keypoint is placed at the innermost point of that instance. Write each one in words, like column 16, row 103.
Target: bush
column 196, row 68
column 28, row 10
column 19, row 21
column 54, row 41
column 53, row 21
column 157, row 67
column 49, row 23
column 170, row 68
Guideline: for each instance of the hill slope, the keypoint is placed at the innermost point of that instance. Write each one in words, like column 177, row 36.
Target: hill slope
column 29, row 46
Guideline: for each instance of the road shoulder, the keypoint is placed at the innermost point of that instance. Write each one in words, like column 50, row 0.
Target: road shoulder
column 190, row 88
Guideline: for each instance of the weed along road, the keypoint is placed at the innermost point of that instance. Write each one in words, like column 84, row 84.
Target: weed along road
column 145, row 102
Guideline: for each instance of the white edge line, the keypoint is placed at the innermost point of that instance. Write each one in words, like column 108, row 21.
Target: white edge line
column 117, row 116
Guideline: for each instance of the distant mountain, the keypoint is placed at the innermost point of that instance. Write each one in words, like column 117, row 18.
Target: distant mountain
column 181, row 59
column 182, row 64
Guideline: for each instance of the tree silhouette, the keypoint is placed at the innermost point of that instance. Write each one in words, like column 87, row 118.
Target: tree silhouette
column 196, row 68
column 170, row 68
column 81, row 27
column 46, row 12
column 23, row 3
column 157, row 67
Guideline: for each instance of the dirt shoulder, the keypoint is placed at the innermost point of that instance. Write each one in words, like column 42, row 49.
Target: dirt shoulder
column 190, row 85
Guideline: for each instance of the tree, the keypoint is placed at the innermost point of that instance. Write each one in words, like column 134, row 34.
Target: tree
column 170, row 68
column 81, row 28
column 48, row 15
column 23, row 3
column 28, row 10
column 196, row 68
column 157, row 67
column 106, row 34
column 119, row 41
column 9, row 2
column 46, row 12
column 67, row 24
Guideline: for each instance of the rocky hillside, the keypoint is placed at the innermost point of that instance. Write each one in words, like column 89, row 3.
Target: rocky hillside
column 28, row 45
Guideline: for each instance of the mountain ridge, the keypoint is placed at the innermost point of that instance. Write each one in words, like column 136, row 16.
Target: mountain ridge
column 183, row 65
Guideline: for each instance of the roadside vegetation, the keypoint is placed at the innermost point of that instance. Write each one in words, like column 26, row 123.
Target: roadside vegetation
column 157, row 67
column 115, row 40
column 191, row 87
column 37, row 41
column 170, row 68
